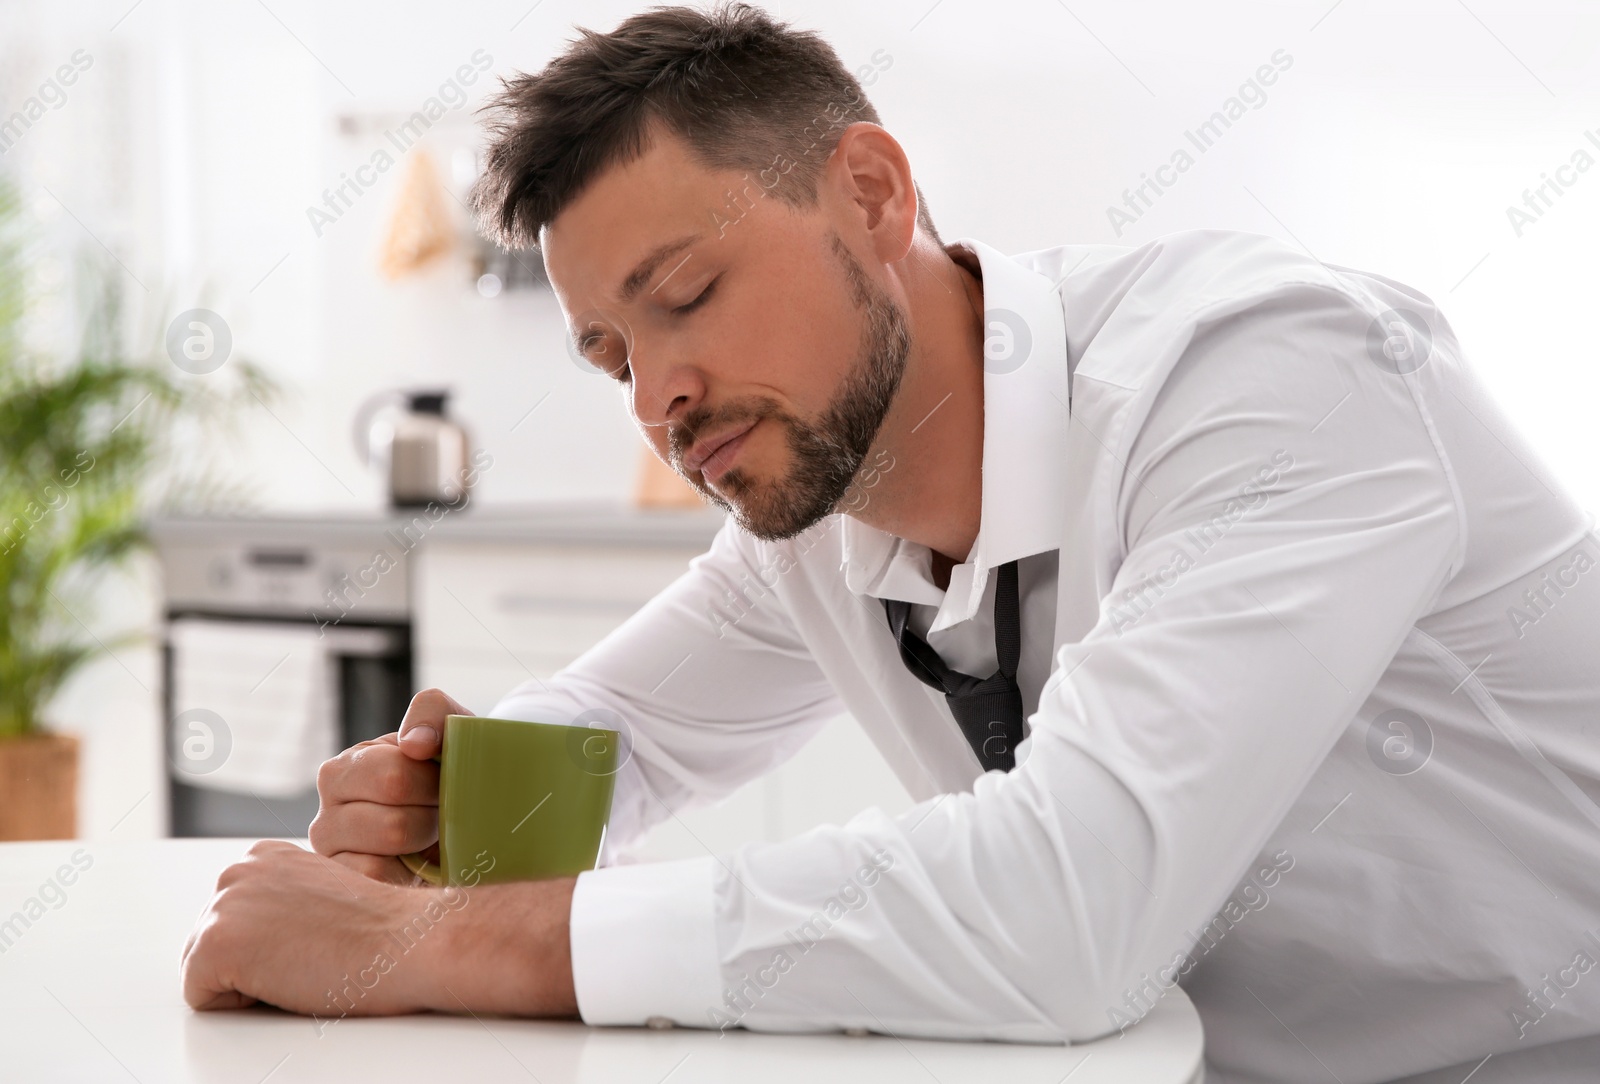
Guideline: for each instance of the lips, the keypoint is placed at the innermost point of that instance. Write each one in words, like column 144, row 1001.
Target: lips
column 713, row 456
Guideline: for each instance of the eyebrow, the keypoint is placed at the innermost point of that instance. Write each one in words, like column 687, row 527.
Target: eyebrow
column 641, row 274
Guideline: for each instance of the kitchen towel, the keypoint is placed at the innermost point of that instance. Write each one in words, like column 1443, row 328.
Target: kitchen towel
column 253, row 705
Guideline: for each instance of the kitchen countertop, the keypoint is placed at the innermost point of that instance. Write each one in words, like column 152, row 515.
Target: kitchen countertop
column 89, row 992
column 615, row 524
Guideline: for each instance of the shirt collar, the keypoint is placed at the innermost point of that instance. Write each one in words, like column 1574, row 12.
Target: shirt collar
column 1025, row 397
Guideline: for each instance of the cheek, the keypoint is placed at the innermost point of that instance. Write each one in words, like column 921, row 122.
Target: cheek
column 790, row 331
column 798, row 351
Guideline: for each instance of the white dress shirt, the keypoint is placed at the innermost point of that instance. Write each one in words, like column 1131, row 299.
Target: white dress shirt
column 1311, row 653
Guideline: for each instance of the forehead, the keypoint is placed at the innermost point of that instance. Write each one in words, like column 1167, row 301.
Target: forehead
column 625, row 213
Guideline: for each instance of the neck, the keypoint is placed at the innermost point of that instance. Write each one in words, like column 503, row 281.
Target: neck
column 933, row 492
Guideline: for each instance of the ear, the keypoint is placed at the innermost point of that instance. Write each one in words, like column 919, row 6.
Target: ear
column 870, row 174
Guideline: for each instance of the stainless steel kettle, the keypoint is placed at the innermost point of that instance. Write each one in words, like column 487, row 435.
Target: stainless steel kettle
column 409, row 435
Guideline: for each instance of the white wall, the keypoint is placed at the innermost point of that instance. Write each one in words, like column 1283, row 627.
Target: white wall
column 1395, row 142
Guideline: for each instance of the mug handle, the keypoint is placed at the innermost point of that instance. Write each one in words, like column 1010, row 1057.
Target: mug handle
column 428, row 871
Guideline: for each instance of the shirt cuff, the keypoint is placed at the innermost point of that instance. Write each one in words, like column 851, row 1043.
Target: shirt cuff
column 644, row 943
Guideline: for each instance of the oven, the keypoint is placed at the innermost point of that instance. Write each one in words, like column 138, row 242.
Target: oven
column 284, row 641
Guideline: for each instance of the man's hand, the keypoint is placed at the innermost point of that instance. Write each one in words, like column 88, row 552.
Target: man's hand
column 293, row 929
column 380, row 798
column 300, row 931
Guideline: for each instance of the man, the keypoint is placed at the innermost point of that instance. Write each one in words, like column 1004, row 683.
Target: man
column 1223, row 630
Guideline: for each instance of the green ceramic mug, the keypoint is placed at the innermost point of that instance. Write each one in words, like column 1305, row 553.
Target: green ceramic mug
column 519, row 801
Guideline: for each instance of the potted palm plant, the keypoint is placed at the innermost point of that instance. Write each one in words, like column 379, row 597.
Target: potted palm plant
column 87, row 448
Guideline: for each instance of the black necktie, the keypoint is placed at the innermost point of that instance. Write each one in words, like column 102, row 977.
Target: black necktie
column 988, row 710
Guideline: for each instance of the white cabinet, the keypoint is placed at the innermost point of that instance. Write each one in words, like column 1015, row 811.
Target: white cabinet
column 490, row 612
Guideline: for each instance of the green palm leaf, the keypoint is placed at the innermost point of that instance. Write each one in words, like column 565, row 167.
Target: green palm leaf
column 86, row 455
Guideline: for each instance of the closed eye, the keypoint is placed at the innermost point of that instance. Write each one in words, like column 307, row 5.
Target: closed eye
column 683, row 310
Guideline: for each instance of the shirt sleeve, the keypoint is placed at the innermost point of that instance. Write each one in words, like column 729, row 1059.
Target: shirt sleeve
column 705, row 702
column 1286, row 517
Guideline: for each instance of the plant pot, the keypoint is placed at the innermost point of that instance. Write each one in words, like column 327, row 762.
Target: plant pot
column 39, row 787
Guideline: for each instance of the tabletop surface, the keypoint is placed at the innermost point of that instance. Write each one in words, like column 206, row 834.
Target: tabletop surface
column 89, row 991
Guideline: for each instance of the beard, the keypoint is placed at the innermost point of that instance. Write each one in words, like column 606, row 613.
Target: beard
column 826, row 452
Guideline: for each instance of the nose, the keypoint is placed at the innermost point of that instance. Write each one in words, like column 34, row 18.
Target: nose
column 664, row 390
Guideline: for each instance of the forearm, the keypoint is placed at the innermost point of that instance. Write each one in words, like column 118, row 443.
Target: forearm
column 505, row 949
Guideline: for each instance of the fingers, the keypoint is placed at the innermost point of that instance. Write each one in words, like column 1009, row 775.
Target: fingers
column 380, row 798
column 373, row 828
column 280, row 922
column 422, row 730
column 204, row 988
column 225, row 999
column 374, row 800
column 377, row 771
column 204, row 985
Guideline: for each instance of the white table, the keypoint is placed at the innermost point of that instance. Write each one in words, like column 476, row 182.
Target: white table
column 89, row 992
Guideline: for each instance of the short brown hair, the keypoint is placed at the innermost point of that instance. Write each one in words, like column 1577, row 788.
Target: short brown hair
column 742, row 90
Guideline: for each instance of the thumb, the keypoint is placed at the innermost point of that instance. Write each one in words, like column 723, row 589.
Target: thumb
column 422, row 730
column 421, row 740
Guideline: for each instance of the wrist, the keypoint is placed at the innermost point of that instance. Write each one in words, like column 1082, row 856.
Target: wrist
column 501, row 948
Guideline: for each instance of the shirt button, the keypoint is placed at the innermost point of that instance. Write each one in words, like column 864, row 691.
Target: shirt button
column 659, row 1023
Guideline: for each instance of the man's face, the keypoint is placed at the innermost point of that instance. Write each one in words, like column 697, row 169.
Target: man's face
column 758, row 355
